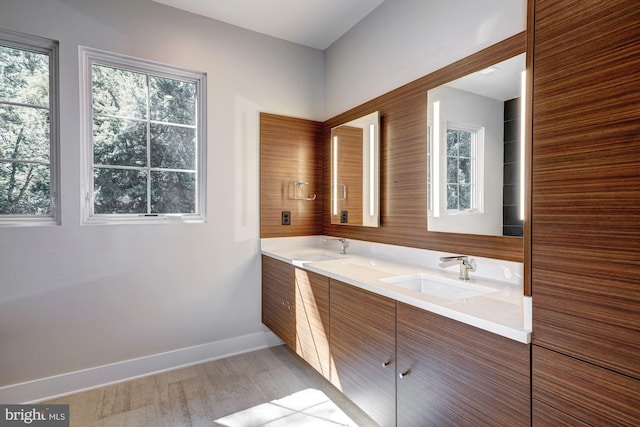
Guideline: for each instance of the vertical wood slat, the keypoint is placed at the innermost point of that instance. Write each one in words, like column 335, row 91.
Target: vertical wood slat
column 289, row 152
column 586, row 181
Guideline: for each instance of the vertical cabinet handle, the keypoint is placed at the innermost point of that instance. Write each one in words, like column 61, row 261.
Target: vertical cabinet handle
column 405, row 373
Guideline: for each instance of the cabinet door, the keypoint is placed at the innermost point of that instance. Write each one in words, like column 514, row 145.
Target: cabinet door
column 312, row 319
column 455, row 374
column 583, row 391
column 362, row 341
column 278, row 298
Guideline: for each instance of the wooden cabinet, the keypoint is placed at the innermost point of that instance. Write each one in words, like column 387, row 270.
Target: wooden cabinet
column 363, row 342
column 402, row 365
column 582, row 391
column 295, row 306
column 455, row 374
column 586, row 215
column 278, row 298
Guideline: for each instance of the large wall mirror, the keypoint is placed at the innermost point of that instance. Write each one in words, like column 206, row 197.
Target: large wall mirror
column 355, row 177
column 475, row 152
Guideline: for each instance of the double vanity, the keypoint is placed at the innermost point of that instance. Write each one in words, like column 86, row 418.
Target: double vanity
column 394, row 327
column 397, row 330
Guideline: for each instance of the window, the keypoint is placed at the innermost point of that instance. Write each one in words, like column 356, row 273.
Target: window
column 145, row 132
column 462, row 174
column 28, row 130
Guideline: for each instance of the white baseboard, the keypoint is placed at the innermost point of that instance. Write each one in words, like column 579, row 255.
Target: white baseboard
column 73, row 382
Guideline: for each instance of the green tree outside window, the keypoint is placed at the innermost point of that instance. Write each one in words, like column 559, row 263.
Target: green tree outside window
column 144, row 143
column 25, row 128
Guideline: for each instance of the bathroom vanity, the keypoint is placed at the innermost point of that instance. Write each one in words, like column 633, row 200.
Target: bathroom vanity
column 406, row 356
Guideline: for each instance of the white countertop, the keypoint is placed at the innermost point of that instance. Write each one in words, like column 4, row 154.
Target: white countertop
column 503, row 311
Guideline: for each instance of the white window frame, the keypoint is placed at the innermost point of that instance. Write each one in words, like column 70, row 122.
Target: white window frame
column 51, row 49
column 89, row 57
column 478, row 168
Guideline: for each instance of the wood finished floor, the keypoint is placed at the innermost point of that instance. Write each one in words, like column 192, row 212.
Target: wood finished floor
column 269, row 387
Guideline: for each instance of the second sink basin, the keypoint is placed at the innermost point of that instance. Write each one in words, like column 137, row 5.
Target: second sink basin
column 435, row 287
column 314, row 256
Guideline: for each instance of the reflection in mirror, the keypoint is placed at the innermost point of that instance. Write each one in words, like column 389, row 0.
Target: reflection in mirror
column 475, row 136
column 355, row 178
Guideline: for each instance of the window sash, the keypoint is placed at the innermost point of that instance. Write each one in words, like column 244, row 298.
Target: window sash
column 91, row 57
column 50, row 48
column 473, row 174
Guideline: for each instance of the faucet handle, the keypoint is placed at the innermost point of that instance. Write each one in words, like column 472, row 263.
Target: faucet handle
column 344, row 243
column 471, row 264
column 454, row 258
column 446, row 261
column 466, row 264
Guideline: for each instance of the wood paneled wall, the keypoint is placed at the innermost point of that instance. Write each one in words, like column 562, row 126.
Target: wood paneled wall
column 586, row 211
column 290, row 151
column 586, row 181
column 403, row 147
column 403, row 170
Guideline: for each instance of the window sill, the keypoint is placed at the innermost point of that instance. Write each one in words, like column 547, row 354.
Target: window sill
column 143, row 219
column 28, row 222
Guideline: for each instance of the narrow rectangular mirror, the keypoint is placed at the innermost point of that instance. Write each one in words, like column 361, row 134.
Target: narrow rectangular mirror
column 355, row 179
column 475, row 148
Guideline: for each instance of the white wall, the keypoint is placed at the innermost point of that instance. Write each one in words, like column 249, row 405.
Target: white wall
column 403, row 40
column 75, row 297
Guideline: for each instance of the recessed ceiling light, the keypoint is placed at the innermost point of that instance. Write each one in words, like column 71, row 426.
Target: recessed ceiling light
column 489, row 70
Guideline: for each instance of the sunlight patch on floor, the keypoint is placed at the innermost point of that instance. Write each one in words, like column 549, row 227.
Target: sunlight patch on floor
column 305, row 408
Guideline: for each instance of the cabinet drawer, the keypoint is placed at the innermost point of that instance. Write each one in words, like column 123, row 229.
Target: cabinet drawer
column 587, row 392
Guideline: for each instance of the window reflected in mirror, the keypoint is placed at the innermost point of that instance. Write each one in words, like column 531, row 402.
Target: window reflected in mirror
column 475, row 152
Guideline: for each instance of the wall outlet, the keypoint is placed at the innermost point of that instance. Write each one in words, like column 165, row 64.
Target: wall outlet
column 286, row 217
column 344, row 217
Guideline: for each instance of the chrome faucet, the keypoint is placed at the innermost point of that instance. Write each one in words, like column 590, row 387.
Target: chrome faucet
column 466, row 264
column 344, row 244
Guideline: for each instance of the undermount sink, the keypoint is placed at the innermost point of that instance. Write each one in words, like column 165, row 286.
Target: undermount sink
column 435, row 287
column 315, row 256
